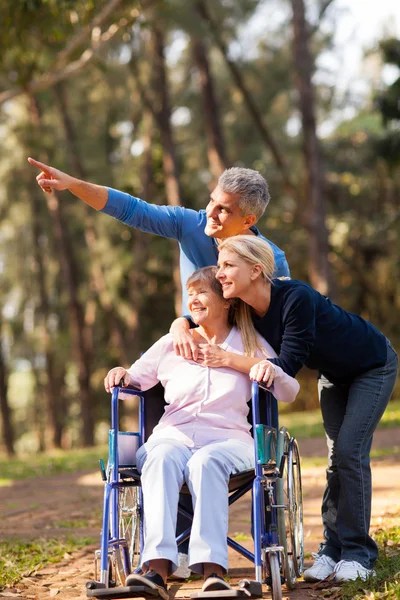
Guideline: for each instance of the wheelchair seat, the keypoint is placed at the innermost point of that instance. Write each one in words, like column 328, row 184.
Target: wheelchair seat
column 236, row 481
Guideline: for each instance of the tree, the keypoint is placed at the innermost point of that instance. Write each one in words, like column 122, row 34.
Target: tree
column 216, row 143
column 320, row 270
column 388, row 101
column 6, row 420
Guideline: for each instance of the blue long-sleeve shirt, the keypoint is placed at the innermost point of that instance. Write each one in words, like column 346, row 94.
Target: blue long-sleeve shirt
column 183, row 224
column 306, row 328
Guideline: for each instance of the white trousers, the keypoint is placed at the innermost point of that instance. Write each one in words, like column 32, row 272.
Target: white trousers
column 165, row 465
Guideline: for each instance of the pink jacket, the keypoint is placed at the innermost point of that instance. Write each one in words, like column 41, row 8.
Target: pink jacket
column 204, row 404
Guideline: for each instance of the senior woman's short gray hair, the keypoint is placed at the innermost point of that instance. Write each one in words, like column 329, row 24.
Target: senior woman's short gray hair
column 208, row 275
column 252, row 187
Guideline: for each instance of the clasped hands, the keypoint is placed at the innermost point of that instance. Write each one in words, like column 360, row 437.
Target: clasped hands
column 209, row 355
column 212, row 355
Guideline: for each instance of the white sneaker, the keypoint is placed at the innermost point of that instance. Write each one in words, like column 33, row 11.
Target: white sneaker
column 321, row 569
column 183, row 571
column 348, row 570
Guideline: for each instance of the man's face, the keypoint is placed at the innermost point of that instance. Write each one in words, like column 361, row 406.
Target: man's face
column 224, row 217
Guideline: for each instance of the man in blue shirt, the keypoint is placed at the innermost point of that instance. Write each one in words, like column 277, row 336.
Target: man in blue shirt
column 235, row 205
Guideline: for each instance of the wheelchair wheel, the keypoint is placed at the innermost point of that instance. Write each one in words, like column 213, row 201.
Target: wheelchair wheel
column 290, row 518
column 273, row 574
column 282, row 498
column 295, row 507
column 129, row 528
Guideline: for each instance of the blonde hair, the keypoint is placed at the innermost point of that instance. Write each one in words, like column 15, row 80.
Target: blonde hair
column 254, row 251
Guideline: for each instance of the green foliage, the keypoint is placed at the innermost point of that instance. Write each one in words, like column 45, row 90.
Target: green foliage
column 33, row 31
column 19, row 558
column 388, row 146
column 51, row 463
column 391, row 51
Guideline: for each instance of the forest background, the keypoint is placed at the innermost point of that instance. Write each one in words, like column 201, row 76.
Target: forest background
column 157, row 98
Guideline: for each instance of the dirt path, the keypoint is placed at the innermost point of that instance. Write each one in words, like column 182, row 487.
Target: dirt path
column 71, row 504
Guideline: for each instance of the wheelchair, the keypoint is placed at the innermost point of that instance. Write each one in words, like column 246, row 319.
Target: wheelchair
column 277, row 508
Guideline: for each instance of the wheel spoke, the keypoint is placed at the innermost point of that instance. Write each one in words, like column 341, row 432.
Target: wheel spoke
column 129, row 530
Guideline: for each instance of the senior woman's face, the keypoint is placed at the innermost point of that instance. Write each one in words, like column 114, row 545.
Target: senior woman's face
column 205, row 305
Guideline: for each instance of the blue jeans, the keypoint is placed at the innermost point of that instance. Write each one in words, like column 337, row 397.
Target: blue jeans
column 351, row 414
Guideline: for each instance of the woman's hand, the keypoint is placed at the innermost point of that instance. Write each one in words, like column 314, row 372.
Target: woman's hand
column 211, row 355
column 263, row 372
column 116, row 377
column 184, row 344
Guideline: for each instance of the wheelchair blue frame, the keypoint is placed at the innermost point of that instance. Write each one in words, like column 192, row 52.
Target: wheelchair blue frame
column 110, row 528
column 264, row 497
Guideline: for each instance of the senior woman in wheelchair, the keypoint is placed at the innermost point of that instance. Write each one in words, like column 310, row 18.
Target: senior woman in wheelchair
column 202, row 438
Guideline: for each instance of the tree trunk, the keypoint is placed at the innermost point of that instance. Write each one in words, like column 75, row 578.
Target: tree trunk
column 7, row 426
column 215, row 141
column 41, row 420
column 81, row 334
column 320, row 271
column 55, row 414
column 159, row 107
column 170, row 162
column 163, row 113
column 248, row 99
column 97, row 277
column 141, row 240
column 54, row 422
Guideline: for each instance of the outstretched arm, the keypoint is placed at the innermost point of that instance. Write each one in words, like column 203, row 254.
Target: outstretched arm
column 51, row 179
column 168, row 221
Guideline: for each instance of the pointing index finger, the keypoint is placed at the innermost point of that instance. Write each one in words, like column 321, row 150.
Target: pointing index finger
column 39, row 165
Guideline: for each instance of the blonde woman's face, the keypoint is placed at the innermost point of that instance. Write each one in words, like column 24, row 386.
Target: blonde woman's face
column 235, row 274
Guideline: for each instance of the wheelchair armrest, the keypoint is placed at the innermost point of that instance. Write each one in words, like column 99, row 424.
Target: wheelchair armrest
column 130, row 390
column 263, row 386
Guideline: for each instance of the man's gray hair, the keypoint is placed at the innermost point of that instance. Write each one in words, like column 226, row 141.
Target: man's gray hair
column 252, row 187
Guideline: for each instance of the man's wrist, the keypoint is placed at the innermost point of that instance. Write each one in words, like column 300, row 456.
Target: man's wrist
column 179, row 326
column 190, row 323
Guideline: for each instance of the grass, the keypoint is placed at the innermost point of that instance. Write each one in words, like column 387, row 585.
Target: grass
column 308, row 462
column 241, row 537
column 73, row 524
column 308, row 424
column 19, row 558
column 51, row 463
column 386, row 584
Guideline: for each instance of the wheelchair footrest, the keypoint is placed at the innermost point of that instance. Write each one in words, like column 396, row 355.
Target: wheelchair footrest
column 221, row 594
column 248, row 589
column 131, row 591
column 252, row 588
